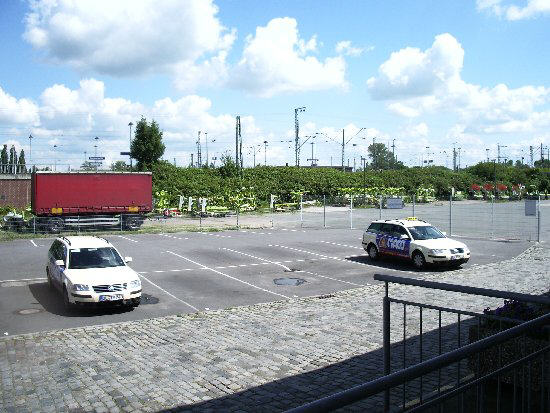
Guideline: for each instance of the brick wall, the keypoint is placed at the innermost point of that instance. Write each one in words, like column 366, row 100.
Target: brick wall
column 15, row 190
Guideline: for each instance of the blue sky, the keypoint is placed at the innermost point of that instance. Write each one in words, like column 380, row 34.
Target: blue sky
column 432, row 75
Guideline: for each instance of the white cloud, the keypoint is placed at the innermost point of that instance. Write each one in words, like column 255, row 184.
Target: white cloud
column 125, row 37
column 276, row 60
column 429, row 82
column 534, row 8
column 17, row 111
column 345, row 48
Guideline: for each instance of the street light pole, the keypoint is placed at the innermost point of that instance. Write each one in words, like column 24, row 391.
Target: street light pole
column 265, row 153
column 95, row 152
column 130, row 125
column 30, row 148
column 297, row 130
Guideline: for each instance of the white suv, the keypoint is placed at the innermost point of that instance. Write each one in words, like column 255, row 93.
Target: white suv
column 89, row 270
column 413, row 239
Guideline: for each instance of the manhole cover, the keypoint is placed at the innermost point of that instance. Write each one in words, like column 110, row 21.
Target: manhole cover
column 289, row 281
column 148, row 299
column 28, row 311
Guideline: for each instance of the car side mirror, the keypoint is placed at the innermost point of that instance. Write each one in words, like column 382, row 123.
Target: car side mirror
column 60, row 263
column 127, row 259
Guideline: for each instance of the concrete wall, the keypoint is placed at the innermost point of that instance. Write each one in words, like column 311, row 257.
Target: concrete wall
column 15, row 190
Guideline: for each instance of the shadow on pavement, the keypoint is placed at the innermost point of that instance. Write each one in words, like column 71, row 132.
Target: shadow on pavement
column 397, row 264
column 52, row 302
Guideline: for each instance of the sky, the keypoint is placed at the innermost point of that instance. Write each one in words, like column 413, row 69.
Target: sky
column 423, row 77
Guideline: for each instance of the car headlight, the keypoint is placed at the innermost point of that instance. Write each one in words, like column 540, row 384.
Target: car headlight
column 80, row 287
column 134, row 284
column 438, row 252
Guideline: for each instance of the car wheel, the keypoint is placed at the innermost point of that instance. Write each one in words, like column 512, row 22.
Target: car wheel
column 418, row 260
column 373, row 252
column 55, row 225
column 136, row 302
column 67, row 304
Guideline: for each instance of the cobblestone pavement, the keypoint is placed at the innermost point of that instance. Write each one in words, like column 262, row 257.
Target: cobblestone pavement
column 266, row 357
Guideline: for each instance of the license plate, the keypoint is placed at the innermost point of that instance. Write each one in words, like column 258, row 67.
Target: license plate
column 112, row 297
column 455, row 257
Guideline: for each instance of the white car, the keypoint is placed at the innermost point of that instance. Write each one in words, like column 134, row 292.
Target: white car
column 413, row 239
column 89, row 270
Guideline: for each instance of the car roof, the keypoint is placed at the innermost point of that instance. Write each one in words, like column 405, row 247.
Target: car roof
column 85, row 242
column 406, row 222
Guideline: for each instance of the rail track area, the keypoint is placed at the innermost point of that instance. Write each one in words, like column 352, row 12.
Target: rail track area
column 189, row 272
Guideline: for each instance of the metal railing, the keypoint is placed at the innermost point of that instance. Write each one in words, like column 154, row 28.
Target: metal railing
column 460, row 379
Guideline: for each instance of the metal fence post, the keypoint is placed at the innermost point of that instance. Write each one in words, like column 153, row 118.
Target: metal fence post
column 351, row 213
column 386, row 344
column 324, row 211
column 34, row 225
column 493, row 216
column 238, row 208
column 301, row 210
column 120, row 222
column 380, row 205
column 538, row 220
column 451, row 214
column 414, row 203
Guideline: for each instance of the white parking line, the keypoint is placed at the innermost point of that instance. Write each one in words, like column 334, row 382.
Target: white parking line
column 129, row 239
column 258, row 258
column 171, row 236
column 23, row 279
column 228, row 276
column 335, row 258
column 33, row 243
column 334, row 279
column 167, row 293
column 342, row 245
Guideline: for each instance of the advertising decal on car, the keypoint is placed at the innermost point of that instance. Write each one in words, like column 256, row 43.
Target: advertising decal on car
column 393, row 245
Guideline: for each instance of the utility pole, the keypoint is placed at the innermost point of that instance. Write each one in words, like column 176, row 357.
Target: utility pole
column 454, row 158
column 498, row 152
column 130, row 125
column 541, row 153
column 343, row 148
column 30, row 148
column 199, row 154
column 265, row 153
column 206, row 140
column 393, row 152
column 459, row 158
column 373, row 153
column 238, row 143
column 297, row 138
column 487, row 151
column 531, row 155
column 192, row 164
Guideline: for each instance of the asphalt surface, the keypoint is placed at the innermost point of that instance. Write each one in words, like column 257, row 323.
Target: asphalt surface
column 190, row 272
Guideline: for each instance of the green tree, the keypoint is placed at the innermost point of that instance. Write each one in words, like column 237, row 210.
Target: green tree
column 147, row 147
column 544, row 163
column 120, row 166
column 87, row 166
column 4, row 160
column 13, row 160
column 382, row 158
column 228, row 168
column 21, row 166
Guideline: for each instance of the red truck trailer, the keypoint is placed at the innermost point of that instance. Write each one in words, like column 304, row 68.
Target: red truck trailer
column 90, row 199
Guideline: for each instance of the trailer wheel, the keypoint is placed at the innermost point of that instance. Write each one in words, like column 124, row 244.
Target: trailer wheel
column 132, row 223
column 55, row 225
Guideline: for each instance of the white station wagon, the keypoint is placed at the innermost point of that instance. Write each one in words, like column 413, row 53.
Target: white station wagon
column 413, row 239
column 89, row 270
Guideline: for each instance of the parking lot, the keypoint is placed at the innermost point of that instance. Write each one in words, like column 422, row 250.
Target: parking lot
column 199, row 271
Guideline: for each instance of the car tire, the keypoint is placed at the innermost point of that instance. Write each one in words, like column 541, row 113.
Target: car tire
column 136, row 302
column 373, row 252
column 418, row 260
column 66, row 303
column 55, row 225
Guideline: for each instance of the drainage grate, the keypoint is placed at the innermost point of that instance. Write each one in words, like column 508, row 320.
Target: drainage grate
column 288, row 281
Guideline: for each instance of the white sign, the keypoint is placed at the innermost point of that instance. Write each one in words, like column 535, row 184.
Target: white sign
column 530, row 207
column 394, row 203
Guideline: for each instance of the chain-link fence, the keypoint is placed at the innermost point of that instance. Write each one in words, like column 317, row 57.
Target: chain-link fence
column 468, row 218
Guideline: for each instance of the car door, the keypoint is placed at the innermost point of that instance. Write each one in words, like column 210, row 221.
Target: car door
column 55, row 270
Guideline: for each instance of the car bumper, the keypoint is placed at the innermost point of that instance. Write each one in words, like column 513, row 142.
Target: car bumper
column 456, row 259
column 91, row 297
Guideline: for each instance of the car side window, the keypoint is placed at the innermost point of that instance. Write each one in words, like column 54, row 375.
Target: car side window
column 399, row 230
column 54, row 250
column 387, row 229
column 374, row 227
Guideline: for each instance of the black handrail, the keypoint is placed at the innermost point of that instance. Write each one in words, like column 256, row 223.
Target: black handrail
column 362, row 391
column 487, row 292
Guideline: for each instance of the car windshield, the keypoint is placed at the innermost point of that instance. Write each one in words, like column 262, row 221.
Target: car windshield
column 425, row 232
column 82, row 258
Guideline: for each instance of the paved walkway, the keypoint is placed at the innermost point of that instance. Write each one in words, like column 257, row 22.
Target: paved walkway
column 267, row 357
